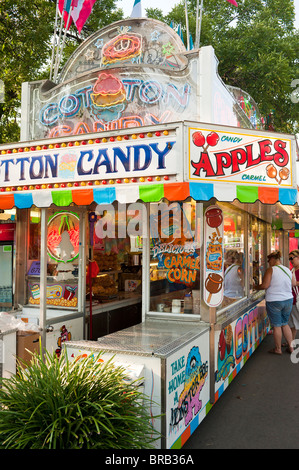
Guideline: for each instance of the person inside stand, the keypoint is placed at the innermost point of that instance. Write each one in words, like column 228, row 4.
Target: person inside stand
column 294, row 316
column 233, row 277
column 277, row 282
column 257, row 276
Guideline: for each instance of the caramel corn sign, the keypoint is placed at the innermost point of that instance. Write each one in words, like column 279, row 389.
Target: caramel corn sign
column 239, row 157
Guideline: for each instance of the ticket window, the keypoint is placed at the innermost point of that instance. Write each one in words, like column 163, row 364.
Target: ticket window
column 62, row 258
column 258, row 247
column 7, row 258
column 116, row 252
column 175, row 257
column 234, row 255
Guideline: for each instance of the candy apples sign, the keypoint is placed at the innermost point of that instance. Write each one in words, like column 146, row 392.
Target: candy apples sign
column 249, row 158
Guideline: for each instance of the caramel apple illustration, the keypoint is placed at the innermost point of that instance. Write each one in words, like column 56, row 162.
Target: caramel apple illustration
column 213, row 284
column 214, row 218
column 271, row 171
column 283, row 174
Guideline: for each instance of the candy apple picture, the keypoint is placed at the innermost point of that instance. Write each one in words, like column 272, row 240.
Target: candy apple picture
column 222, row 345
column 212, row 139
column 198, row 139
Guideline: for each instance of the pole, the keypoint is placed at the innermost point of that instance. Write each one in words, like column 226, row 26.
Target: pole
column 196, row 29
column 198, row 24
column 187, row 26
column 54, row 40
column 43, row 279
column 58, row 43
column 62, row 46
column 92, row 219
column 90, row 293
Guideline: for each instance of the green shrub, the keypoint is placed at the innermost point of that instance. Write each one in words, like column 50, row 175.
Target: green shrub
column 62, row 404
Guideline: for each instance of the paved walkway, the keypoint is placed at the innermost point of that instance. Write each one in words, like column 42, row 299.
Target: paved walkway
column 259, row 409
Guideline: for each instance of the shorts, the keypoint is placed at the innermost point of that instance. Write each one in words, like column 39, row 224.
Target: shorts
column 294, row 318
column 279, row 311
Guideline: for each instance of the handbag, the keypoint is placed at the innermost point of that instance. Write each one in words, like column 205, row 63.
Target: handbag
column 296, row 290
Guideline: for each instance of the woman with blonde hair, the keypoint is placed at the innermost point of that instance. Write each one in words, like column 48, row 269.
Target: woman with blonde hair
column 294, row 316
column 277, row 282
column 233, row 276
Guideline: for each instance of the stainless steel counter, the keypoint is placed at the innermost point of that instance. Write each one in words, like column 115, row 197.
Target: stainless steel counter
column 123, row 300
column 237, row 310
column 151, row 338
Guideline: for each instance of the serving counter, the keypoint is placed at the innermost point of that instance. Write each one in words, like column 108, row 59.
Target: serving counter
column 118, row 313
column 187, row 365
column 175, row 360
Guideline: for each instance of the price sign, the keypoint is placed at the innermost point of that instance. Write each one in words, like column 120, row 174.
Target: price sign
column 34, row 269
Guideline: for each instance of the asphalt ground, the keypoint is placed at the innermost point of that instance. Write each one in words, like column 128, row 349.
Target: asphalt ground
column 259, row 409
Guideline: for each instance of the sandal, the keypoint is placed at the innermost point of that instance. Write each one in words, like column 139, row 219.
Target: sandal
column 273, row 351
column 289, row 350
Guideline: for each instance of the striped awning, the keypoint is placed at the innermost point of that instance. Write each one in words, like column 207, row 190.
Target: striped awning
column 172, row 191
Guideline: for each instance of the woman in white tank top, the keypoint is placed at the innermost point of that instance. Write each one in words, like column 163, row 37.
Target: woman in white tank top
column 278, row 281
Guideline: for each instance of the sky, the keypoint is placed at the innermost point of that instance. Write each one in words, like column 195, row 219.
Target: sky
column 166, row 6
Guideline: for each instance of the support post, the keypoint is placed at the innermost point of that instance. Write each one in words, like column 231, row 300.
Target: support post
column 43, row 279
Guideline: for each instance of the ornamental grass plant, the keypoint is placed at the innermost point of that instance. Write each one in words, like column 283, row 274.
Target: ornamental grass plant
column 62, row 404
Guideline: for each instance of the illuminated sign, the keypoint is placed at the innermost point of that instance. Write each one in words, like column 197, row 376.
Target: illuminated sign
column 60, row 222
column 113, row 102
column 90, row 162
column 58, row 295
column 132, row 74
column 119, row 78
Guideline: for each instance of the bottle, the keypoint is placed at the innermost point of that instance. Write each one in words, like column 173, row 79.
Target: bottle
column 188, row 303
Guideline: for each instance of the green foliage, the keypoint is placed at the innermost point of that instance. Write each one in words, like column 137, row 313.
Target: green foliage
column 257, row 48
column 85, row 404
column 25, row 43
column 26, row 34
column 256, row 45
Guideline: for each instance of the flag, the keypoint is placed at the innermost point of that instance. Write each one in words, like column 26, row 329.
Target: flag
column 64, row 8
column 233, row 2
column 79, row 11
column 64, row 5
column 180, row 32
column 136, row 11
column 191, row 42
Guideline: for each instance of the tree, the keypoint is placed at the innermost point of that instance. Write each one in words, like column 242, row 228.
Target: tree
column 26, row 33
column 257, row 48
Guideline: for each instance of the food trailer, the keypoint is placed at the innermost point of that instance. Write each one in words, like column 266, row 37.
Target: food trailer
column 146, row 196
